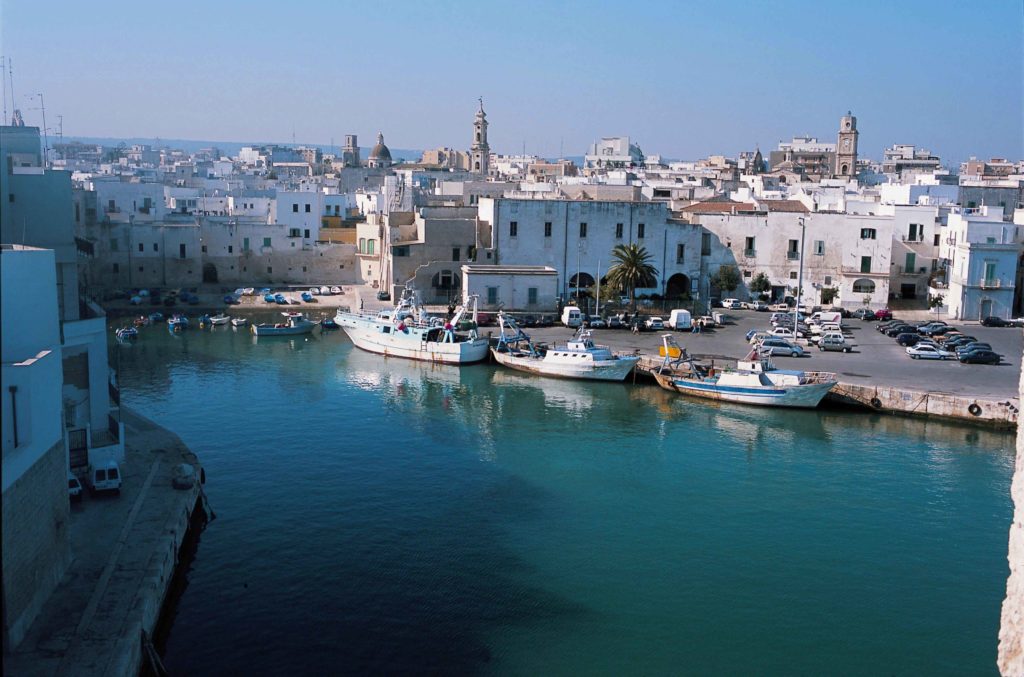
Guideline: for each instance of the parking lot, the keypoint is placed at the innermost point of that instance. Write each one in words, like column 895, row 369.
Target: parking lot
column 876, row 359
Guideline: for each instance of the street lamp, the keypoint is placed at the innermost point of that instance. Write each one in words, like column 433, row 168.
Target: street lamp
column 800, row 279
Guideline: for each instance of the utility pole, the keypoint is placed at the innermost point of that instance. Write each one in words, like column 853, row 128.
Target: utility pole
column 46, row 138
column 800, row 279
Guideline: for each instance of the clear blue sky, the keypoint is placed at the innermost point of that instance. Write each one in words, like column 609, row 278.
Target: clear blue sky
column 683, row 79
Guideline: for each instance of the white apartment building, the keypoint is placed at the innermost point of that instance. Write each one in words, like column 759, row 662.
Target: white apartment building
column 36, row 538
column 613, row 152
column 576, row 239
column 983, row 256
column 850, row 253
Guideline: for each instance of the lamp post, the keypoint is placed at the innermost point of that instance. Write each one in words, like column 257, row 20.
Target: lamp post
column 800, row 279
column 579, row 248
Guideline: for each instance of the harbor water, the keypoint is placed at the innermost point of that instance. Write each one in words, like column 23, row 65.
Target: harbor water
column 381, row 515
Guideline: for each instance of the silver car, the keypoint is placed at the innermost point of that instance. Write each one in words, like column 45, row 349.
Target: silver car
column 777, row 346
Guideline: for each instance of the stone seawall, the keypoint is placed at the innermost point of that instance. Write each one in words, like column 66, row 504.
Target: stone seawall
column 1011, row 628
column 890, row 399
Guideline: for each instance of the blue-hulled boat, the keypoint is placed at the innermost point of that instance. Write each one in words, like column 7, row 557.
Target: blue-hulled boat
column 307, row 297
column 156, row 317
column 127, row 333
column 268, row 297
column 280, row 300
column 295, row 323
column 329, row 323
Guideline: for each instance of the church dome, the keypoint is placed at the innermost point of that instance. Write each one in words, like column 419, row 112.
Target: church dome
column 380, row 155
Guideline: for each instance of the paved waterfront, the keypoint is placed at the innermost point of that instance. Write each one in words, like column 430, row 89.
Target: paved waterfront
column 876, row 359
column 117, row 544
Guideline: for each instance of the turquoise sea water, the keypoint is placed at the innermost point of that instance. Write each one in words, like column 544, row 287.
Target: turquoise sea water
column 381, row 515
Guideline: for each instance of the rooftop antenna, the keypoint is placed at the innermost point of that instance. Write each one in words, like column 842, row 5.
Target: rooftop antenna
column 46, row 139
column 10, row 79
column 60, row 128
column 561, row 152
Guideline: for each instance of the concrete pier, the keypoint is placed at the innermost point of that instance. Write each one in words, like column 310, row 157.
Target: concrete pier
column 125, row 550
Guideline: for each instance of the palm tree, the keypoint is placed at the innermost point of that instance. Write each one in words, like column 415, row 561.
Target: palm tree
column 631, row 269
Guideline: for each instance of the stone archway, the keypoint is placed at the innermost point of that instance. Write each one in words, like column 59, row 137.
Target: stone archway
column 677, row 286
column 209, row 273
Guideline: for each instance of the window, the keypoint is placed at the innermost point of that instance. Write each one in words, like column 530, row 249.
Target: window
column 910, row 263
column 513, row 228
column 680, row 253
column 10, row 197
column 181, row 251
column 446, row 279
column 266, row 242
column 269, row 270
column 746, row 273
column 792, row 275
column 936, row 242
column 140, row 269
column 370, row 246
column 705, row 244
column 915, row 232
column 156, row 247
column 362, row 245
column 793, row 252
column 583, row 229
column 400, row 251
column 865, row 264
column 245, row 244
column 295, row 207
column 828, row 280
column 204, row 248
column 749, row 246
column 455, row 253
column 231, row 249
column 640, row 231
column 492, row 295
column 618, row 231
column 867, row 233
column 547, row 229
column 307, row 207
column 113, row 244
column 531, row 296
column 306, row 233
column 117, row 268
column 819, row 247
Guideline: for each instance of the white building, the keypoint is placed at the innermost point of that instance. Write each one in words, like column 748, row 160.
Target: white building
column 613, row 152
column 576, row 239
column 36, row 539
column 983, row 254
column 512, row 288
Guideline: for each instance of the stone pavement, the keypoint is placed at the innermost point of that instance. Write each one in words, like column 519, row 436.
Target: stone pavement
column 124, row 550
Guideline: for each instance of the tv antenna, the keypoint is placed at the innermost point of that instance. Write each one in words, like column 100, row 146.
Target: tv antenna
column 3, row 70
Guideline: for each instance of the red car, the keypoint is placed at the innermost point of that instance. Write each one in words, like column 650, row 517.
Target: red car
column 883, row 314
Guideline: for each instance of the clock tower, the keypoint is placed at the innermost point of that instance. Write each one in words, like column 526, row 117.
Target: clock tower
column 846, row 149
column 480, row 151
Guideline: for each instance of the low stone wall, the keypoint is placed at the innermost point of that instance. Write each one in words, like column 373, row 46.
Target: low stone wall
column 998, row 413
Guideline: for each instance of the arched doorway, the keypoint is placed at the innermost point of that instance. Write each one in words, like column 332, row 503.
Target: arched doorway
column 678, row 286
column 863, row 286
column 209, row 273
column 586, row 280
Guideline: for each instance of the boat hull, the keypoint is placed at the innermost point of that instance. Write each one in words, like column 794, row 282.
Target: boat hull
column 805, row 396
column 366, row 335
column 609, row 370
column 261, row 330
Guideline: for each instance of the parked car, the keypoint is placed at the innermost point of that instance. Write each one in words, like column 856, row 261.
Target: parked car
column 777, row 346
column 928, row 352
column 74, row 488
column 929, row 326
column 834, row 342
column 993, row 321
column 898, row 329
column 638, row 325
column 970, row 347
column 596, row 322
column 614, row 322
column 957, row 341
column 908, row 338
column 655, row 324
column 759, row 306
column 883, row 314
column 731, row 304
column 383, row 296
column 865, row 314
column 754, row 337
column 882, row 326
column 980, row 357
column 779, row 307
column 939, row 330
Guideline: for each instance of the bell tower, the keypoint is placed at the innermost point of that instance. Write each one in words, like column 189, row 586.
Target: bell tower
column 480, row 152
column 846, row 148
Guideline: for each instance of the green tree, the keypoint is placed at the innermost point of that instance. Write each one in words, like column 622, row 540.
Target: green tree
column 631, row 269
column 828, row 295
column 726, row 278
column 760, row 284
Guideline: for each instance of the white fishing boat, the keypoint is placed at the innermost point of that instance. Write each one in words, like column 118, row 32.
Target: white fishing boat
column 755, row 380
column 219, row 319
column 336, row 290
column 294, row 324
column 579, row 358
column 325, row 291
column 239, row 321
column 406, row 331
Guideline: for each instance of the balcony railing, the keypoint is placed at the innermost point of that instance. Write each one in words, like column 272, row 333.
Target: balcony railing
column 991, row 284
column 750, row 253
column 112, row 210
column 792, row 256
column 915, row 270
column 857, row 270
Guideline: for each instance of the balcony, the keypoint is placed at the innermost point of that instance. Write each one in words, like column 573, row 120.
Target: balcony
column 915, row 271
column 750, row 253
column 793, row 256
column 991, row 284
column 109, row 209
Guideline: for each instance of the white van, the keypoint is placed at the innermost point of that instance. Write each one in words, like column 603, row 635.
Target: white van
column 823, row 316
column 680, row 320
column 106, row 477
column 572, row 317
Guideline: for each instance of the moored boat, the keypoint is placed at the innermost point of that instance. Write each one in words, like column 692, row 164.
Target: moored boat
column 127, row 333
column 269, row 298
column 580, row 358
column 294, row 324
column 329, row 323
column 406, row 331
column 219, row 319
column 156, row 317
column 755, row 380
column 280, row 300
column 307, row 297
column 336, row 290
column 238, row 321
column 177, row 323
